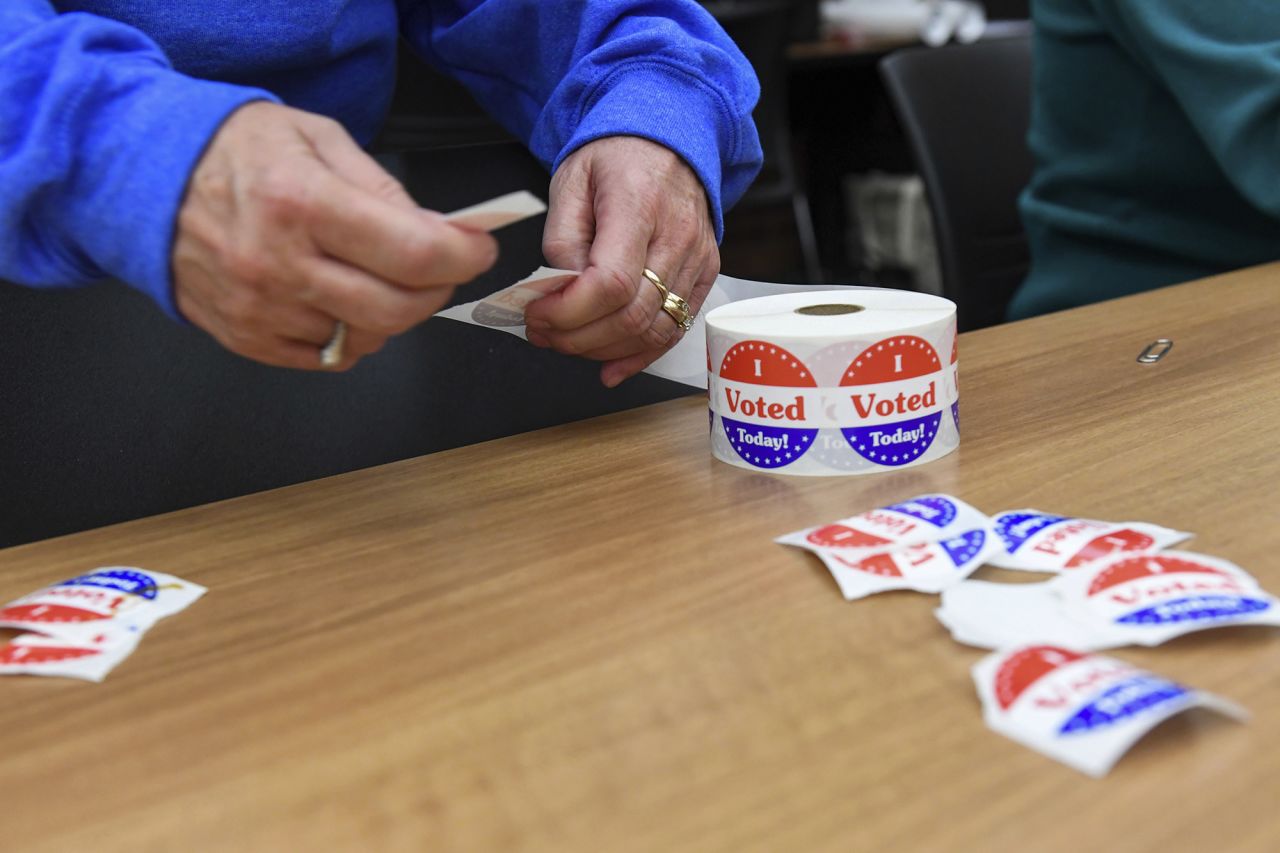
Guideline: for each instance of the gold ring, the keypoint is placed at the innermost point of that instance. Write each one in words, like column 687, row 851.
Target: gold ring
column 678, row 310
column 657, row 282
column 331, row 354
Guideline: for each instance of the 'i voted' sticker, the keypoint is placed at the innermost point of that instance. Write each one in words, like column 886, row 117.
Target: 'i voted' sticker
column 924, row 518
column 1151, row 598
column 926, row 567
column 1042, row 542
column 761, row 413
column 896, row 400
column 114, row 598
column 926, row 543
column 89, row 659
column 1083, row 710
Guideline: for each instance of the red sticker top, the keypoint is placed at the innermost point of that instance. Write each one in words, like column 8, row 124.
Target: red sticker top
column 892, row 360
column 763, row 363
column 1147, row 566
column 50, row 613
column 1125, row 539
column 842, row 536
column 1027, row 666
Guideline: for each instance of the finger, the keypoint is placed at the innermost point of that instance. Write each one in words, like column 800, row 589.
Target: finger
column 621, row 327
column 362, row 342
column 365, row 302
column 301, row 323
column 665, row 332
column 412, row 248
column 614, row 373
column 265, row 348
column 620, row 349
column 356, row 344
column 611, row 280
column 642, row 324
column 623, row 351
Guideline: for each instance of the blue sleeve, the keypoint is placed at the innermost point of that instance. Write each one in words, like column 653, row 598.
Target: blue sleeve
column 98, row 135
column 1221, row 63
column 560, row 75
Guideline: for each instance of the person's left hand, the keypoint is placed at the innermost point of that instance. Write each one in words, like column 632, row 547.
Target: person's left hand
column 620, row 205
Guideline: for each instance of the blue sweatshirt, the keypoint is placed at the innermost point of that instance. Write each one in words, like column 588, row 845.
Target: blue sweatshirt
column 1156, row 132
column 107, row 105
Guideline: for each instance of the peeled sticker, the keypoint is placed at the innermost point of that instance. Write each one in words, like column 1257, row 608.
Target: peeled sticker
column 89, row 659
column 110, row 599
column 1083, row 710
column 1002, row 615
column 685, row 362
column 1152, row 598
column 1041, row 542
column 498, row 212
column 925, row 543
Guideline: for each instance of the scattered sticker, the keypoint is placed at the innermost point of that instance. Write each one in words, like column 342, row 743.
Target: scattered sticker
column 925, row 543
column 1042, row 542
column 1081, row 709
column 89, row 659
column 112, row 598
column 1152, row 598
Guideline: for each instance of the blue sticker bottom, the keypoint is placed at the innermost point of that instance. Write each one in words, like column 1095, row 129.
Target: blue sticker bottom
column 134, row 583
column 1195, row 608
column 934, row 509
column 1015, row 528
column 963, row 548
column 894, row 444
column 1124, row 700
column 766, row 446
column 955, row 414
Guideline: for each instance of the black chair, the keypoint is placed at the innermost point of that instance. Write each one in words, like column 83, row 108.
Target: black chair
column 965, row 110
column 762, row 30
column 110, row 411
column 432, row 110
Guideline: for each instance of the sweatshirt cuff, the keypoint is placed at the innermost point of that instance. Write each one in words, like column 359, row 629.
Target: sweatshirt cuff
column 671, row 107
column 134, row 177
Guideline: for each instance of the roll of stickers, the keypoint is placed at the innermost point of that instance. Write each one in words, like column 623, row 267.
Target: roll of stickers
column 833, row 383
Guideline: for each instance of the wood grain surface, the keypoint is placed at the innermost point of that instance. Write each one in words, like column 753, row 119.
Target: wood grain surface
column 584, row 639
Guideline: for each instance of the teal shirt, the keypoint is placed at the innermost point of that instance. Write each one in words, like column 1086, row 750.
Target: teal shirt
column 1156, row 135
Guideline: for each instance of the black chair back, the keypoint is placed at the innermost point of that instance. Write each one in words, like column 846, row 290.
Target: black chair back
column 762, row 29
column 965, row 110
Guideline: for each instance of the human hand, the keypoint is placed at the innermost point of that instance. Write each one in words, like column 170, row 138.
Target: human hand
column 288, row 227
column 619, row 205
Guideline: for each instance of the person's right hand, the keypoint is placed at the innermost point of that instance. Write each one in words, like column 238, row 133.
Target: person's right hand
column 288, row 227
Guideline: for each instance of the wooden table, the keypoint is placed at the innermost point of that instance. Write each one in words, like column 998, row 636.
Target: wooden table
column 583, row 638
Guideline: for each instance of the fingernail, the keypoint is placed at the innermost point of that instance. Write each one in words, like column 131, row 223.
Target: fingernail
column 537, row 324
column 536, row 339
column 611, row 378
